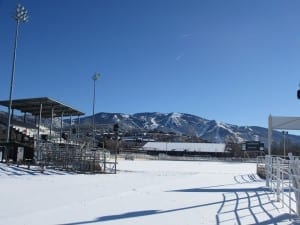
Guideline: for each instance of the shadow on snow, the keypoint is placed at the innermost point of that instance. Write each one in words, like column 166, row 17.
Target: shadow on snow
column 14, row 170
column 255, row 201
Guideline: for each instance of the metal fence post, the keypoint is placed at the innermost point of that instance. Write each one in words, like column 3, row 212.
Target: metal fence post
column 267, row 170
column 278, row 179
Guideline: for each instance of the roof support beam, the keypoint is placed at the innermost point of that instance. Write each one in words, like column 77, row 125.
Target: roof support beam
column 51, row 123
column 61, row 126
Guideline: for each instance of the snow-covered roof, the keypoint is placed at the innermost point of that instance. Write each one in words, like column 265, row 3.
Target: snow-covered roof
column 183, row 146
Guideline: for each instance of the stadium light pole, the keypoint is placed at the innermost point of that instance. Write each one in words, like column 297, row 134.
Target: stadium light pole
column 95, row 77
column 21, row 15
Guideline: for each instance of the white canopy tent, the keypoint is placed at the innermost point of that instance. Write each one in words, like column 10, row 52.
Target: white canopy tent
column 283, row 123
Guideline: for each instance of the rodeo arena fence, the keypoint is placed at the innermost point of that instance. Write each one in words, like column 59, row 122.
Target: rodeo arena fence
column 282, row 176
column 77, row 158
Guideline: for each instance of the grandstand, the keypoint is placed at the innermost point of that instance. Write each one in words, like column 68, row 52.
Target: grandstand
column 44, row 145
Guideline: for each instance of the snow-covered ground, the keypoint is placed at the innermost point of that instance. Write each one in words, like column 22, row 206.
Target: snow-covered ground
column 142, row 193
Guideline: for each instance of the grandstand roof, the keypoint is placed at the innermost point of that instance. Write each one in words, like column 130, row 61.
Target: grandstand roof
column 47, row 106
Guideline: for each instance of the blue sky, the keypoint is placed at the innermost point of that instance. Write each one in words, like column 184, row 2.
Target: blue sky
column 235, row 61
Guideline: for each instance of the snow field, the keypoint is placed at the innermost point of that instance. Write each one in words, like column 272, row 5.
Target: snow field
column 142, row 192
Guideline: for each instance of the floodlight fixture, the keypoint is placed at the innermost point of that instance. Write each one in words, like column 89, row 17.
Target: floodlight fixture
column 21, row 14
column 96, row 76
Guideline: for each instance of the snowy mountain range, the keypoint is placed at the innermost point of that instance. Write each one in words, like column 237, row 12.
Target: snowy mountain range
column 187, row 124
column 179, row 123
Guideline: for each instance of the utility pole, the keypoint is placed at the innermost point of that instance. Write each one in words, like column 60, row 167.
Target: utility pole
column 116, row 131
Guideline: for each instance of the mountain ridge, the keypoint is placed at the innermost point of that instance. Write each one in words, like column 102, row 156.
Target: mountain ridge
column 187, row 124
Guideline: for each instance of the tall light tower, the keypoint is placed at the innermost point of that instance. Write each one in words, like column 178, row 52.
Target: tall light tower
column 20, row 16
column 94, row 77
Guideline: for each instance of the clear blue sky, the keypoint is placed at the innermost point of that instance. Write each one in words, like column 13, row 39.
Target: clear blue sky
column 232, row 61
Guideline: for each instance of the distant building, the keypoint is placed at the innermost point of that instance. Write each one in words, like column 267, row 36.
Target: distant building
column 183, row 148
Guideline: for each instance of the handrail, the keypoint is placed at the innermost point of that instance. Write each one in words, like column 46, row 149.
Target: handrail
column 283, row 178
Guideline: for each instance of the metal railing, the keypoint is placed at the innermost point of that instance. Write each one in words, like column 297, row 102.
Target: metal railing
column 73, row 157
column 281, row 178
